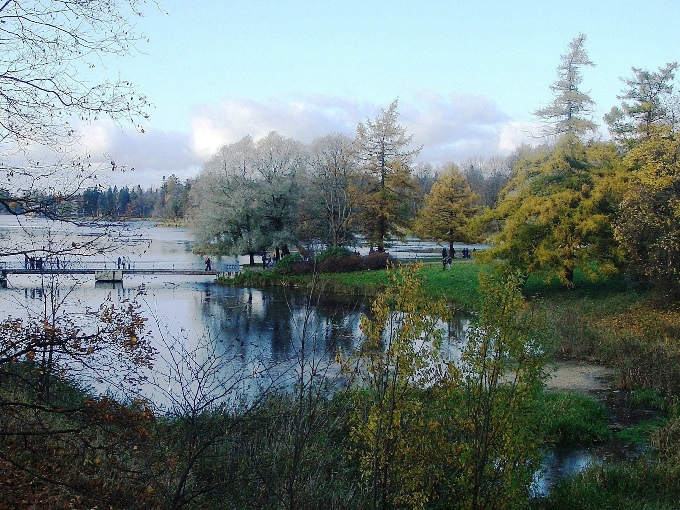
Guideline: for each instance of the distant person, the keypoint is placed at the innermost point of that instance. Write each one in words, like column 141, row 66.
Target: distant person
column 119, row 261
column 264, row 261
column 207, row 264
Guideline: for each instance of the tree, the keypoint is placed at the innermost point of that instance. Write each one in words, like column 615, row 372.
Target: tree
column 647, row 226
column 448, row 209
column 399, row 355
column 571, row 109
column 279, row 164
column 487, row 177
column 557, row 212
column 498, row 424
column 245, row 199
column 647, row 104
column 381, row 150
column 50, row 53
column 330, row 203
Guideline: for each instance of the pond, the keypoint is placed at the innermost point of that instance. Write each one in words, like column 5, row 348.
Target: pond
column 218, row 340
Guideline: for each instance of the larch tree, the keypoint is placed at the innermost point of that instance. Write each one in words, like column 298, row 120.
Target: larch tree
column 571, row 109
column 557, row 211
column 648, row 104
column 383, row 154
column 448, row 208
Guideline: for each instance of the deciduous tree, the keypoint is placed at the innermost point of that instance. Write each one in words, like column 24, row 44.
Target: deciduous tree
column 557, row 212
column 51, row 56
column 383, row 154
column 647, row 226
column 571, row 109
column 648, row 104
column 448, row 209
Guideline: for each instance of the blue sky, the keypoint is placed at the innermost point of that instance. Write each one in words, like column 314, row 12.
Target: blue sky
column 468, row 74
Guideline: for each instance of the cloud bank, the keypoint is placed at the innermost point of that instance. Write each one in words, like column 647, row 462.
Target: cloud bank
column 450, row 128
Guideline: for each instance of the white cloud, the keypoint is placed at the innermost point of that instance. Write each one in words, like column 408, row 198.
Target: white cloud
column 450, row 128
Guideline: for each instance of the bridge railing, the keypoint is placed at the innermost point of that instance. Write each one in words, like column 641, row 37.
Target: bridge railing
column 132, row 264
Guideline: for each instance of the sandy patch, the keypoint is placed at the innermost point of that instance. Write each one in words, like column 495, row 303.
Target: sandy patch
column 579, row 376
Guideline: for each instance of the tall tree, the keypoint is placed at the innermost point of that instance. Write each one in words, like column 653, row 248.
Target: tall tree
column 448, row 209
column 330, row 203
column 647, row 105
column 557, row 212
column 225, row 202
column 279, row 164
column 571, row 108
column 382, row 151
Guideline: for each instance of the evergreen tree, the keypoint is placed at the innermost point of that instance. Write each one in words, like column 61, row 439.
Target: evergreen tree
column 571, row 108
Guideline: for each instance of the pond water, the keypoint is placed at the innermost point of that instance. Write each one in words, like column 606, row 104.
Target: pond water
column 214, row 340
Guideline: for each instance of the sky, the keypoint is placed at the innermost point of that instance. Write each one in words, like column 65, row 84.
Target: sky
column 467, row 74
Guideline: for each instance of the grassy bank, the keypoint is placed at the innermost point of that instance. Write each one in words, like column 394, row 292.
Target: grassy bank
column 458, row 286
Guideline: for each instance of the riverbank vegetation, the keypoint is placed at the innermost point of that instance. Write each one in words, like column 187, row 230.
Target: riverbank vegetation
column 582, row 264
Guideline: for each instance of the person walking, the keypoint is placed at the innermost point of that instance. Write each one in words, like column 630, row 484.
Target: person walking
column 207, row 264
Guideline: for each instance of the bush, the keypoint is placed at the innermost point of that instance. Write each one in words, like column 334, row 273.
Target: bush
column 333, row 260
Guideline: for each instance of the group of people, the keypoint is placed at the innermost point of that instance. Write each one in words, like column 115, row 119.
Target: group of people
column 35, row 263
column 124, row 263
column 447, row 257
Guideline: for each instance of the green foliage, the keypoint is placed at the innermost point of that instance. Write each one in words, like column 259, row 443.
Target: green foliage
column 399, row 355
column 648, row 105
column 503, row 370
column 648, row 398
column 336, row 252
column 556, row 213
column 628, row 486
column 641, row 433
column 572, row 418
column 287, row 263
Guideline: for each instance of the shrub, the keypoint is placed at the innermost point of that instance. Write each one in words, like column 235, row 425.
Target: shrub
column 333, row 260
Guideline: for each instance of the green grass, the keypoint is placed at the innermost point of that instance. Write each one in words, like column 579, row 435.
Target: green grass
column 629, row 486
column 572, row 418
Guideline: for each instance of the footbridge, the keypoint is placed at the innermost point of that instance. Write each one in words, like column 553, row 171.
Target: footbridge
column 105, row 273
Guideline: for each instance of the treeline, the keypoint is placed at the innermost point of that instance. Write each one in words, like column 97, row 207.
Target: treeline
column 168, row 201
column 277, row 192
column 575, row 201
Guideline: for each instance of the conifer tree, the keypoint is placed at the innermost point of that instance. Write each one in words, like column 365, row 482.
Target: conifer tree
column 448, row 208
column 571, row 108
